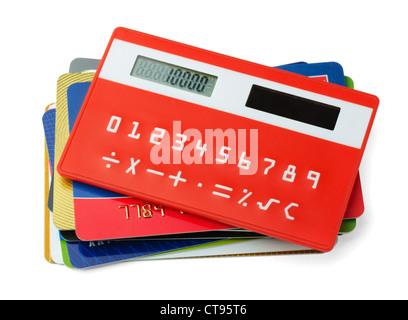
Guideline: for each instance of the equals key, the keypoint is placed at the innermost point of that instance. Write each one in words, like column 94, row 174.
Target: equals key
column 220, row 194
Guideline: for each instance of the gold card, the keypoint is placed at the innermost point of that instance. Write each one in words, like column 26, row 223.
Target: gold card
column 47, row 249
column 63, row 214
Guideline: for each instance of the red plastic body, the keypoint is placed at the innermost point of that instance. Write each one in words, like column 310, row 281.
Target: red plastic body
column 296, row 211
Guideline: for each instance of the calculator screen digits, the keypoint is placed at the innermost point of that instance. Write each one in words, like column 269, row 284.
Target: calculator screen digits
column 174, row 76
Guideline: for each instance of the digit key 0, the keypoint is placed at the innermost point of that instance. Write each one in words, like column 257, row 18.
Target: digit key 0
column 223, row 138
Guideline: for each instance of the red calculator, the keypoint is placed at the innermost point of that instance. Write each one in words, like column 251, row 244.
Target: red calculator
column 223, row 138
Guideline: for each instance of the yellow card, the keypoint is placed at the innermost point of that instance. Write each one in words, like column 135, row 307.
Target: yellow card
column 47, row 249
column 63, row 208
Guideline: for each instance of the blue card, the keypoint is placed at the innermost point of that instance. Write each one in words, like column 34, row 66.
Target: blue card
column 331, row 71
column 90, row 254
column 49, row 130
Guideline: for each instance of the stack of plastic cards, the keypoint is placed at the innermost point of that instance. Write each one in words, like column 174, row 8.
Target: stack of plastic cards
column 87, row 226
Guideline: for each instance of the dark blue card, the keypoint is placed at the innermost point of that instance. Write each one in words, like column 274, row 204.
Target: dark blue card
column 90, row 254
column 332, row 71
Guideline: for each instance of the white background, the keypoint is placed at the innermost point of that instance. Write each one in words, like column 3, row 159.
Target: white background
column 39, row 40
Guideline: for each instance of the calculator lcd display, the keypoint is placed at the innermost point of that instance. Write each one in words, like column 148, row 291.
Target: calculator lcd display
column 174, row 76
column 293, row 107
